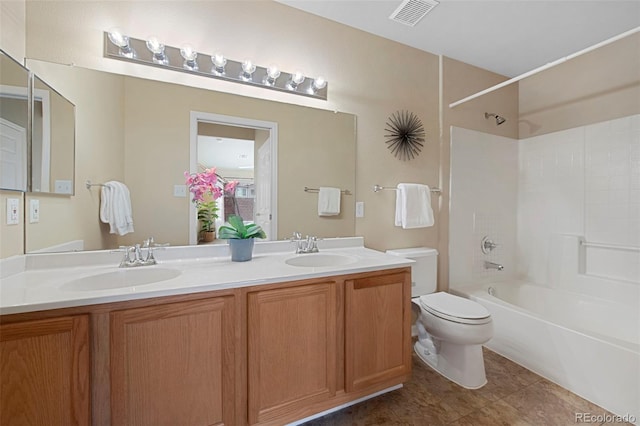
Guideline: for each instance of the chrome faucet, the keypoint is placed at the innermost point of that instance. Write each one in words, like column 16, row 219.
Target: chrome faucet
column 492, row 265
column 133, row 254
column 309, row 244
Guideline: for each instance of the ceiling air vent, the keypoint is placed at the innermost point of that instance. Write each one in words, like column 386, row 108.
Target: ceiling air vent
column 410, row 12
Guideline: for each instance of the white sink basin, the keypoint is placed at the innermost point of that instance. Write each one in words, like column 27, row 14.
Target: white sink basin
column 320, row 259
column 121, row 278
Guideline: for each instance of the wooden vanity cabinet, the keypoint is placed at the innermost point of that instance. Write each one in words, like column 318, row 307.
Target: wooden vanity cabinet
column 44, row 372
column 377, row 330
column 317, row 344
column 174, row 364
column 291, row 345
column 267, row 354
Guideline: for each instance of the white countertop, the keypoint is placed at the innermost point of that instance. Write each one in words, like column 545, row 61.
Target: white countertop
column 40, row 280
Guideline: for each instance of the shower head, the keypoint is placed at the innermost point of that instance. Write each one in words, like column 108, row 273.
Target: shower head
column 499, row 120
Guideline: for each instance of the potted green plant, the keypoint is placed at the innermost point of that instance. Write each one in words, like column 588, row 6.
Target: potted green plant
column 207, row 215
column 241, row 237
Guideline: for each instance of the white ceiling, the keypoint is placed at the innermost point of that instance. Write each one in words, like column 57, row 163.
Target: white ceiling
column 225, row 153
column 508, row 37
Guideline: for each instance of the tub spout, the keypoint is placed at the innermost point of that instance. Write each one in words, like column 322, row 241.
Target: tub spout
column 492, row 265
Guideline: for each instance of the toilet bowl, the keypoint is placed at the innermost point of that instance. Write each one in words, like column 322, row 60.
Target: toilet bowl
column 451, row 329
column 451, row 332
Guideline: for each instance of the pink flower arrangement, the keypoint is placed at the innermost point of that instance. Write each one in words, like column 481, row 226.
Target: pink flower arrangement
column 207, row 182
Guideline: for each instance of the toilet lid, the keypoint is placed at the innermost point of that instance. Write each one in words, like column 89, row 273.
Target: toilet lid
column 455, row 308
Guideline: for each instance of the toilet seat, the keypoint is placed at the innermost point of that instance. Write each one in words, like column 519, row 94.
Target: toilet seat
column 455, row 308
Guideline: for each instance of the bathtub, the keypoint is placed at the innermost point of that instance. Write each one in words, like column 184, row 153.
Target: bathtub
column 589, row 345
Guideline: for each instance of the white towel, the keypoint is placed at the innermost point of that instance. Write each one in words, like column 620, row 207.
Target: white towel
column 328, row 201
column 413, row 206
column 115, row 208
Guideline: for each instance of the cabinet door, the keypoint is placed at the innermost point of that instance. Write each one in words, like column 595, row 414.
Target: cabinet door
column 174, row 364
column 291, row 349
column 44, row 372
column 377, row 330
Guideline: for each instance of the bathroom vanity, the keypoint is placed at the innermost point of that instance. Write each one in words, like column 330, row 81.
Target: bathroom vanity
column 261, row 342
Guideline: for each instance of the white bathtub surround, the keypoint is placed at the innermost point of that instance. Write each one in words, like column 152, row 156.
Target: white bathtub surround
column 572, row 312
column 39, row 281
column 583, row 181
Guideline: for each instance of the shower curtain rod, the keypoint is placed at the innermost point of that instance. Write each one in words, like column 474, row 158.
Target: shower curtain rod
column 544, row 67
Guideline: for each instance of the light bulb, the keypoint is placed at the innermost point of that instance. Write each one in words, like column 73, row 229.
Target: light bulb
column 117, row 37
column 295, row 80
column 319, row 83
column 272, row 75
column 219, row 62
column 273, row 71
column 189, row 54
column 248, row 68
column 297, row 77
column 157, row 48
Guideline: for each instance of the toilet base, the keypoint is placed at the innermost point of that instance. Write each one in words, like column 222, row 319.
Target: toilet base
column 462, row 364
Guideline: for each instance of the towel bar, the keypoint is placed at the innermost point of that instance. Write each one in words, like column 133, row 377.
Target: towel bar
column 307, row 189
column 377, row 188
column 88, row 184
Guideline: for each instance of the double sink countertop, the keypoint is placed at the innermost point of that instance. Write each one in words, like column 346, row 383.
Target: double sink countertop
column 60, row 280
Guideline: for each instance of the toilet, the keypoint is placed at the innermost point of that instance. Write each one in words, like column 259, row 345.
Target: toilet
column 451, row 329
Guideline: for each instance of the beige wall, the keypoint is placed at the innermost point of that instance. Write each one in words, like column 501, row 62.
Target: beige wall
column 460, row 80
column 598, row 86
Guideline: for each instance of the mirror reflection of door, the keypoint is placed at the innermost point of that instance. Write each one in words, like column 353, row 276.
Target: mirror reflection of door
column 13, row 155
column 240, row 151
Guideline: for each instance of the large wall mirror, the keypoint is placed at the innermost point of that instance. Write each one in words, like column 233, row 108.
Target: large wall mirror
column 14, row 111
column 52, row 141
column 139, row 132
column 47, row 150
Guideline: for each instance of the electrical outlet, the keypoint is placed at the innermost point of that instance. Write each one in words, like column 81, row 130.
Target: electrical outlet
column 13, row 211
column 180, row 191
column 360, row 209
column 34, row 211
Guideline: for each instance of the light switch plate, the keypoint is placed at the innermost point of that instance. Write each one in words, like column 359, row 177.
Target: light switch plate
column 34, row 211
column 180, row 191
column 63, row 187
column 13, row 211
column 360, row 209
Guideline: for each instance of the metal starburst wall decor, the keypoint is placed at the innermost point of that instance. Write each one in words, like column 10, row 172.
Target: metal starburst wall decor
column 405, row 135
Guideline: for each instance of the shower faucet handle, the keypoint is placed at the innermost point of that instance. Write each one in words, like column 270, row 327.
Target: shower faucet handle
column 487, row 245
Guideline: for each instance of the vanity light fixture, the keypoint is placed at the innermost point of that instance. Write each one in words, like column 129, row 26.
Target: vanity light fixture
column 152, row 52
column 122, row 42
column 157, row 48
column 190, row 55
column 219, row 62
column 248, row 68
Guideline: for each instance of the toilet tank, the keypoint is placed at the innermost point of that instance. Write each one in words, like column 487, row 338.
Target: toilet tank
column 424, row 272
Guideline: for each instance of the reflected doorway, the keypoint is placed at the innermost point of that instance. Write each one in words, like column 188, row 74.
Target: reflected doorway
column 243, row 150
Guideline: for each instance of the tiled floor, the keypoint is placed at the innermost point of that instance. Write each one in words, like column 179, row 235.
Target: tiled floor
column 512, row 396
